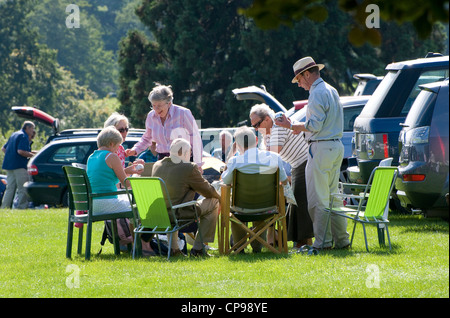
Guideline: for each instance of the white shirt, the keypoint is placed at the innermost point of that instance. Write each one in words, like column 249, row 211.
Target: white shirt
column 254, row 161
column 294, row 149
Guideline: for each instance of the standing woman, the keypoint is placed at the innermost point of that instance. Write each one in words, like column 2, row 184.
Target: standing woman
column 167, row 122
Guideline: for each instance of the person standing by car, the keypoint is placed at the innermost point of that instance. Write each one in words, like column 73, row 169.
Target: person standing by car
column 166, row 122
column 292, row 148
column 17, row 151
column 323, row 129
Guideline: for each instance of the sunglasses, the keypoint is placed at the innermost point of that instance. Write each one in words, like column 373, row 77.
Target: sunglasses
column 256, row 126
column 122, row 130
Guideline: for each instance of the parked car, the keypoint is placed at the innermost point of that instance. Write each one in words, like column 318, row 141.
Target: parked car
column 367, row 83
column 377, row 127
column 423, row 170
column 48, row 184
column 74, row 146
column 352, row 107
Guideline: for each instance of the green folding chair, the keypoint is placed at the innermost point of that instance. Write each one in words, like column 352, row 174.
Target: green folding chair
column 252, row 198
column 80, row 199
column 376, row 196
column 153, row 208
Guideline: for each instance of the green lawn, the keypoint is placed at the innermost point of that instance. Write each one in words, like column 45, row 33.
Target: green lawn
column 33, row 264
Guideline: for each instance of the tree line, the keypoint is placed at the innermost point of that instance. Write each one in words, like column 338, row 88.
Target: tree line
column 203, row 48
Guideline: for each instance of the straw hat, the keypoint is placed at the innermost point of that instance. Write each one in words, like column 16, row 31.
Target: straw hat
column 304, row 64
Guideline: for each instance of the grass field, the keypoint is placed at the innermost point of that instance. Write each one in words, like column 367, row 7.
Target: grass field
column 33, row 264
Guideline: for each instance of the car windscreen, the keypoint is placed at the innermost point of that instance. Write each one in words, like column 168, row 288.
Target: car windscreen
column 421, row 111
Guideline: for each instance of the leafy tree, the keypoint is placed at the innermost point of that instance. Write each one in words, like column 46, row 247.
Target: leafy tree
column 423, row 15
column 204, row 49
column 80, row 50
column 28, row 71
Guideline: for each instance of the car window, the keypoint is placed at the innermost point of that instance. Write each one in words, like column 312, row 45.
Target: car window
column 425, row 78
column 379, row 95
column 421, row 110
column 67, row 154
column 350, row 114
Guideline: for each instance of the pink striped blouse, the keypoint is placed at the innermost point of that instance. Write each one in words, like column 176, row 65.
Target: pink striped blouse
column 180, row 123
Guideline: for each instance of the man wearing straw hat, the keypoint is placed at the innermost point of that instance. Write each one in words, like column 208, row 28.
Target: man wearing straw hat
column 323, row 129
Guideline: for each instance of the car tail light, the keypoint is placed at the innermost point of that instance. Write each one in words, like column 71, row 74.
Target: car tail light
column 413, row 177
column 385, row 146
column 32, row 170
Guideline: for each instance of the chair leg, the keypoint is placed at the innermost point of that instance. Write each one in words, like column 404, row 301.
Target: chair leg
column 365, row 236
column 115, row 236
column 380, row 231
column 353, row 232
column 389, row 239
column 88, row 240
column 134, row 244
column 325, row 231
column 80, row 241
column 69, row 240
column 169, row 248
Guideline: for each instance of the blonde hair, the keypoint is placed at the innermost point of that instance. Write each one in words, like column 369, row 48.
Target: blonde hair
column 109, row 135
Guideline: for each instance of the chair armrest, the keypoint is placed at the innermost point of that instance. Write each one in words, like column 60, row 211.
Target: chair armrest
column 182, row 205
column 354, row 185
column 107, row 194
column 345, row 195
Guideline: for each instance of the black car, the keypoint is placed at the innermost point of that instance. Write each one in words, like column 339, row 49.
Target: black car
column 423, row 171
column 377, row 127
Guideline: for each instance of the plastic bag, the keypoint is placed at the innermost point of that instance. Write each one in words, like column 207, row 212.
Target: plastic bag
column 289, row 194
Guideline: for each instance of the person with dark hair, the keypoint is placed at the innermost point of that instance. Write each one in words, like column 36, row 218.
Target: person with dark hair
column 17, row 151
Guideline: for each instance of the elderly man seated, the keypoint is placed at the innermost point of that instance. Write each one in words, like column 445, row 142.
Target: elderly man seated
column 252, row 160
column 183, row 180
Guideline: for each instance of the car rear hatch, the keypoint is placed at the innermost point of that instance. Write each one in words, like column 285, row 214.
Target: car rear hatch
column 32, row 113
column 259, row 94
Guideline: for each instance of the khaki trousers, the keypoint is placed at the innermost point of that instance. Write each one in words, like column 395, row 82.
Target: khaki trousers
column 208, row 209
column 322, row 179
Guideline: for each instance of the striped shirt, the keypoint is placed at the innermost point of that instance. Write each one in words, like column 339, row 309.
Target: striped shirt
column 294, row 147
column 179, row 123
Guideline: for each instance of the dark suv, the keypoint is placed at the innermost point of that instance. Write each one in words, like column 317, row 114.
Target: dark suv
column 377, row 127
column 48, row 184
column 423, row 179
